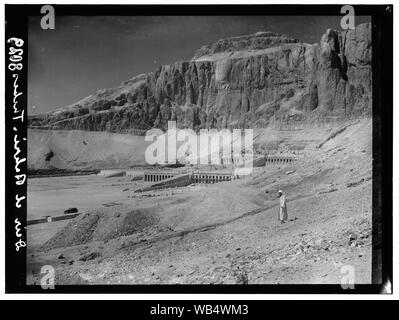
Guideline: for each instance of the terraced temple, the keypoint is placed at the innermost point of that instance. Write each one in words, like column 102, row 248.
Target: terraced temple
column 196, row 177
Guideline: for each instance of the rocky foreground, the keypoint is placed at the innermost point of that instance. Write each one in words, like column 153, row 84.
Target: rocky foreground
column 247, row 81
column 228, row 232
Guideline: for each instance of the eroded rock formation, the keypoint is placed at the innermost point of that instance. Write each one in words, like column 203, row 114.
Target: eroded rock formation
column 248, row 81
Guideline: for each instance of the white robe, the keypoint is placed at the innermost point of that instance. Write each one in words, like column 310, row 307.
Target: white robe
column 283, row 215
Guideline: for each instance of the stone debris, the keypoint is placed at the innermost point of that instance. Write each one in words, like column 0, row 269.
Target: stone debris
column 90, row 256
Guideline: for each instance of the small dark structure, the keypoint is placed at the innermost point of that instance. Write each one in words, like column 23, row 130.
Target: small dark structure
column 71, row 210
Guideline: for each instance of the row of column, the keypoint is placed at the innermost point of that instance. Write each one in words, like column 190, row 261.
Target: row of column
column 278, row 160
column 197, row 177
column 214, row 178
column 154, row 177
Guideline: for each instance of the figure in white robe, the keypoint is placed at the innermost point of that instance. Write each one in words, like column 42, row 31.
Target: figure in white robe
column 283, row 215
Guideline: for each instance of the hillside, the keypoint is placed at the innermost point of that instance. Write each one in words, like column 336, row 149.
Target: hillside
column 77, row 149
column 228, row 232
column 247, row 81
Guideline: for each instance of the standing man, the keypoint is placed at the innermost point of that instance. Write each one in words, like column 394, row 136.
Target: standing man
column 283, row 215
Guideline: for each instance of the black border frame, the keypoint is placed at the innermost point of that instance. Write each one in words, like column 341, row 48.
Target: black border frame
column 382, row 37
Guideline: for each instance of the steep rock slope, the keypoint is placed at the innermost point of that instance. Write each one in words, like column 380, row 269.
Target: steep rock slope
column 78, row 149
column 247, row 81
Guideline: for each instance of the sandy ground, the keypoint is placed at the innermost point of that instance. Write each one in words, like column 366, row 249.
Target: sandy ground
column 222, row 233
column 51, row 196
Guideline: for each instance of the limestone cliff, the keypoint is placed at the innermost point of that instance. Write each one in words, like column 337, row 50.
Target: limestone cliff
column 247, row 81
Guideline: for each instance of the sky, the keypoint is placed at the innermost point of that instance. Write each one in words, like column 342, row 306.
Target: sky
column 84, row 54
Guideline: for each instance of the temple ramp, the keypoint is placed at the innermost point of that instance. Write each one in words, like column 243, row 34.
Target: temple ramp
column 172, row 182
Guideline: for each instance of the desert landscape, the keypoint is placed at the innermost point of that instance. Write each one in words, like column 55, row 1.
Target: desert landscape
column 307, row 102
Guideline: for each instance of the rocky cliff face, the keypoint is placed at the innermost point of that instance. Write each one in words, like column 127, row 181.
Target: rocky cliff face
column 248, row 81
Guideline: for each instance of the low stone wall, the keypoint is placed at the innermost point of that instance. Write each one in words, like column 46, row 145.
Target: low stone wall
column 135, row 174
column 52, row 219
column 112, row 173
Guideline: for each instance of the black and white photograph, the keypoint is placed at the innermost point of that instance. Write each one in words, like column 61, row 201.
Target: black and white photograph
column 160, row 147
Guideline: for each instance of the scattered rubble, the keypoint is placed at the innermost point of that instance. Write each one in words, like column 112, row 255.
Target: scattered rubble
column 90, row 256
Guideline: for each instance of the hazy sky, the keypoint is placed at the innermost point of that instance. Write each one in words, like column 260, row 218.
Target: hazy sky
column 84, row 54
